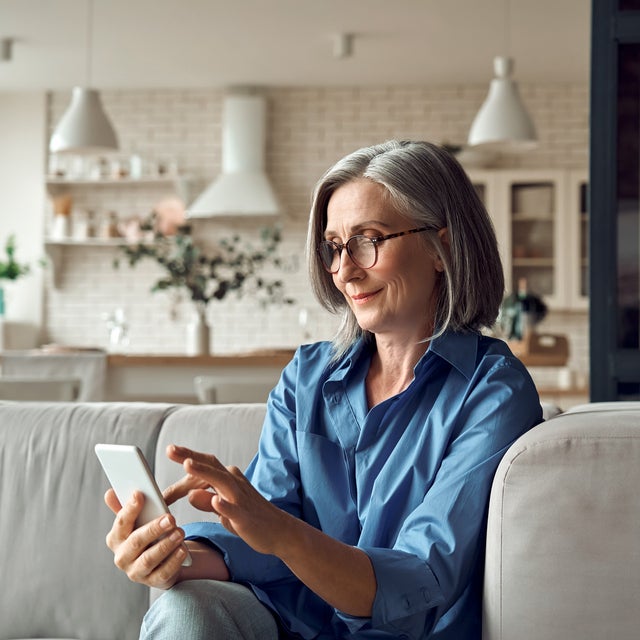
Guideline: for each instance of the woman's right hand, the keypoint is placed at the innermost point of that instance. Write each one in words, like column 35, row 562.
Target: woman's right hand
column 139, row 552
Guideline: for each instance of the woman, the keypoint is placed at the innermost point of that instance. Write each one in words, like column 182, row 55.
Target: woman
column 363, row 513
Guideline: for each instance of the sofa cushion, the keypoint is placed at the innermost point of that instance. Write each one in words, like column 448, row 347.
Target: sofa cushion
column 54, row 520
column 230, row 432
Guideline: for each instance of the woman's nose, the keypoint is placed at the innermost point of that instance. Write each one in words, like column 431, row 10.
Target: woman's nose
column 347, row 269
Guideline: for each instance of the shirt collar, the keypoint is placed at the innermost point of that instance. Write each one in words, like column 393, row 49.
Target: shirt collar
column 458, row 349
column 354, row 355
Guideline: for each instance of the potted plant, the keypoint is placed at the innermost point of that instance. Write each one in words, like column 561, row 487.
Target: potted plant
column 233, row 266
column 10, row 268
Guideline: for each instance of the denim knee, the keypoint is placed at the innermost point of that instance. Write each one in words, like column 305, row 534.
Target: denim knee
column 208, row 610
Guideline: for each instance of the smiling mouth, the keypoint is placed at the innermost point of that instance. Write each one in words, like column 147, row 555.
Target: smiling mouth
column 362, row 298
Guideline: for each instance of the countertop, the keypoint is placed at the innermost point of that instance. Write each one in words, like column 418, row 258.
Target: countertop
column 266, row 363
column 264, row 358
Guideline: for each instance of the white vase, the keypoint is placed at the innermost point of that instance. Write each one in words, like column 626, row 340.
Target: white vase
column 198, row 333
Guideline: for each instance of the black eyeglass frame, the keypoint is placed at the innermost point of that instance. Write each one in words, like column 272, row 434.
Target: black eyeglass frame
column 375, row 241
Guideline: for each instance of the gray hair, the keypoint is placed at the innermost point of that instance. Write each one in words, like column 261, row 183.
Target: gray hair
column 427, row 185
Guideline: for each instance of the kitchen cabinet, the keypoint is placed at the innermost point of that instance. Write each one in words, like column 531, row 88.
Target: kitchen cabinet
column 577, row 234
column 540, row 217
column 96, row 209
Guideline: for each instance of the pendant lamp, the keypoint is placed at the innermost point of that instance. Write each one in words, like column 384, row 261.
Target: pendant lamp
column 503, row 121
column 85, row 127
column 503, row 124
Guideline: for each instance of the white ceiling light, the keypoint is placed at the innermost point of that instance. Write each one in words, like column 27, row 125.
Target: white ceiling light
column 243, row 188
column 6, row 49
column 343, row 45
column 85, row 127
column 503, row 122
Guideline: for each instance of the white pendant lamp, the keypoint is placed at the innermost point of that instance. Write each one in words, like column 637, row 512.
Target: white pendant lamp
column 84, row 128
column 503, row 124
column 503, row 121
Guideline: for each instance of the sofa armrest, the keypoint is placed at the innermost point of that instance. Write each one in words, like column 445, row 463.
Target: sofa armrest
column 563, row 532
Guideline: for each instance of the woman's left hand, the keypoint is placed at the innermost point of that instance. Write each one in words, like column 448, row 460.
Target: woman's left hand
column 225, row 491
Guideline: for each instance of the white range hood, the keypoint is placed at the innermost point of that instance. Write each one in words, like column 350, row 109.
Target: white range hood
column 242, row 189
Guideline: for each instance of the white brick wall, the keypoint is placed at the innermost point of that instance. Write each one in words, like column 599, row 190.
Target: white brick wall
column 308, row 130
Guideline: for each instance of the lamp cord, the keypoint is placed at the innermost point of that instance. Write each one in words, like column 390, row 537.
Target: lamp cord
column 507, row 28
column 89, row 40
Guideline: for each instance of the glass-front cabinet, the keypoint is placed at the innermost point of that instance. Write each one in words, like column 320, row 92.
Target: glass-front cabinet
column 577, row 234
column 540, row 220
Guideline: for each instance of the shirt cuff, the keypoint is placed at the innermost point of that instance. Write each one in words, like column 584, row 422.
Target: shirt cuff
column 244, row 564
column 406, row 587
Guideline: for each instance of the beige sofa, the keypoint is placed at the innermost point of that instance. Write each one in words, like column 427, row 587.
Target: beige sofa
column 563, row 552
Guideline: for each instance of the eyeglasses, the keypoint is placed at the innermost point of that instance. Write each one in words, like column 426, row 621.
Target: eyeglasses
column 361, row 249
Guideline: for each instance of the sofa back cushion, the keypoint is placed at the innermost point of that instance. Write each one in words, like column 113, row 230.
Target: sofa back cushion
column 58, row 576
column 230, row 432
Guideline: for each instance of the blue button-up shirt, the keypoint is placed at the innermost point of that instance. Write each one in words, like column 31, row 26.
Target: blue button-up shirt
column 407, row 482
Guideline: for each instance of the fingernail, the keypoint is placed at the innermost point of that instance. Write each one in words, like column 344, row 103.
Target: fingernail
column 165, row 523
column 175, row 536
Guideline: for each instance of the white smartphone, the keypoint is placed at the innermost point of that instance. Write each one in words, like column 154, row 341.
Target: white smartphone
column 128, row 471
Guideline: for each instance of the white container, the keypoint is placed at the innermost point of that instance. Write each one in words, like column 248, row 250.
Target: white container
column 198, row 334
column 61, row 227
column 135, row 167
column 565, row 378
column 81, row 227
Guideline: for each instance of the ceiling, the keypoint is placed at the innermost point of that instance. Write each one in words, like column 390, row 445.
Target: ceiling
column 218, row 43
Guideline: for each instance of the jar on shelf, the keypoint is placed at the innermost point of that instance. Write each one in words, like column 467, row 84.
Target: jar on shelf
column 109, row 226
column 167, row 167
column 83, row 224
column 61, row 224
column 120, row 168
column 135, row 166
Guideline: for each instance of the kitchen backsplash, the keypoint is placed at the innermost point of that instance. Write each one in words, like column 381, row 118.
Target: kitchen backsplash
column 307, row 129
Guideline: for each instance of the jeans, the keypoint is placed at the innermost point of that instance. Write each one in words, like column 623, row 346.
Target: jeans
column 208, row 610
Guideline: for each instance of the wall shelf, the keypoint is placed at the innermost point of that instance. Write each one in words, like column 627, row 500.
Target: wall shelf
column 127, row 187
column 92, row 182
column 55, row 251
column 87, row 242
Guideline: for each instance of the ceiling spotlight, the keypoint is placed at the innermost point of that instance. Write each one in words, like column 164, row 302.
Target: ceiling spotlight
column 343, row 45
column 6, row 49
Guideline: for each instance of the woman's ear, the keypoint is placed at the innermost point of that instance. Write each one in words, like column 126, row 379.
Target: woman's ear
column 443, row 234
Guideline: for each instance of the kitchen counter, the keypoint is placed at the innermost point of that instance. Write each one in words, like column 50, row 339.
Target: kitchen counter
column 565, row 398
column 266, row 358
column 170, row 378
